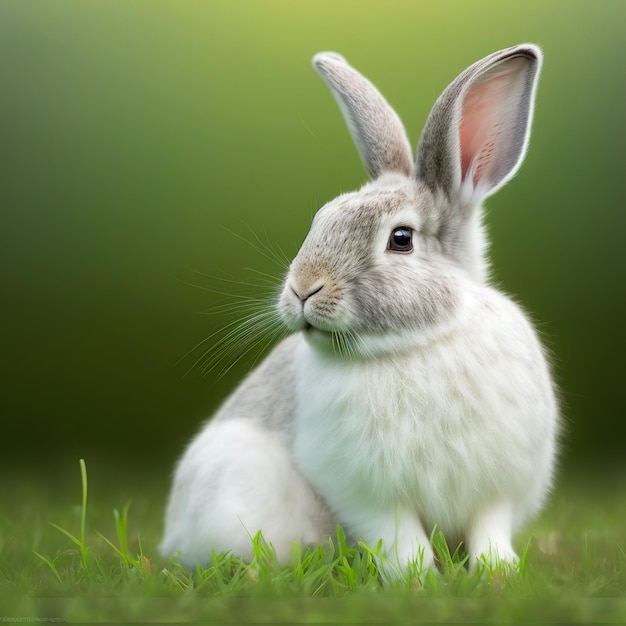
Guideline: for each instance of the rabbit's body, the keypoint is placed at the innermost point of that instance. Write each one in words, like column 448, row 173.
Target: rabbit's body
column 416, row 435
column 411, row 394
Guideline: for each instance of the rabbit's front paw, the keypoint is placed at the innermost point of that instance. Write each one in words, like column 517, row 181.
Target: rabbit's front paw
column 404, row 549
column 496, row 559
column 489, row 539
column 394, row 569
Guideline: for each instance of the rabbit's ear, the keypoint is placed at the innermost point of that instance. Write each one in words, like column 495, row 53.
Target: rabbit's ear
column 374, row 125
column 477, row 133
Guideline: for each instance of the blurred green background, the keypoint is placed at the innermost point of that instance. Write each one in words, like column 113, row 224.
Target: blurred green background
column 139, row 138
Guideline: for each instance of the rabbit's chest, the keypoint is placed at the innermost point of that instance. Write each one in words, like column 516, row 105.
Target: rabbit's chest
column 381, row 428
column 423, row 431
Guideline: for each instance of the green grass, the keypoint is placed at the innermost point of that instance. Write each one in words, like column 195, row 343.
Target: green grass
column 91, row 561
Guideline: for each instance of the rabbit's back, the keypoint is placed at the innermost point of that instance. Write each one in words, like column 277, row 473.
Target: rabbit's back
column 266, row 393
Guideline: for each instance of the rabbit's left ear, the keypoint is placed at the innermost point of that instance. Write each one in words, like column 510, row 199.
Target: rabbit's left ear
column 477, row 133
column 375, row 127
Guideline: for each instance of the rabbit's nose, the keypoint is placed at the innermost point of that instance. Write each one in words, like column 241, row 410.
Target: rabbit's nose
column 304, row 293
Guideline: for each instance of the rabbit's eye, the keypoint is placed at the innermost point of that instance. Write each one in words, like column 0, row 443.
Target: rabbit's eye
column 401, row 240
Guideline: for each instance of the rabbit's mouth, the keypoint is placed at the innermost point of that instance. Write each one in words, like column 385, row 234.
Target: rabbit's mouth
column 310, row 329
column 317, row 333
column 337, row 343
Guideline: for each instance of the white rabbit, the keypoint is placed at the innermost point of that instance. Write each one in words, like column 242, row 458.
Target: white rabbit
column 411, row 393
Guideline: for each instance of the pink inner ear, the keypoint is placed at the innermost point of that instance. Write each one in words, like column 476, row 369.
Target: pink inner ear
column 488, row 107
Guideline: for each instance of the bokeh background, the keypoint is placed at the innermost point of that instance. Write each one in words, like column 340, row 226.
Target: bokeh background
column 141, row 141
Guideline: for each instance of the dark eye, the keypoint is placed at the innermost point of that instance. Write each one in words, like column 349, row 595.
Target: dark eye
column 401, row 240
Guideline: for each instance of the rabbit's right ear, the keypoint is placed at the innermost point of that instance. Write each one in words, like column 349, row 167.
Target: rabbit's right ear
column 375, row 127
column 477, row 133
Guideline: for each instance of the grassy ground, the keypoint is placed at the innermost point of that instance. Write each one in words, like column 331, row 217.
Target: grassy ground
column 99, row 562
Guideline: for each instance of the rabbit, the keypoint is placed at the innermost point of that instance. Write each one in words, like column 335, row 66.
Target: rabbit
column 411, row 394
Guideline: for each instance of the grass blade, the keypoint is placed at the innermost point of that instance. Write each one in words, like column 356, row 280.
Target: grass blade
column 50, row 564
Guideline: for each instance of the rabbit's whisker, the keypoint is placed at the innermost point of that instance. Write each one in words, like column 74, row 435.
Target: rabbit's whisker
column 262, row 248
column 243, row 336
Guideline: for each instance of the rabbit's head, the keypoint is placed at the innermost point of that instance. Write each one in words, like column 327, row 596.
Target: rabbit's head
column 384, row 265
